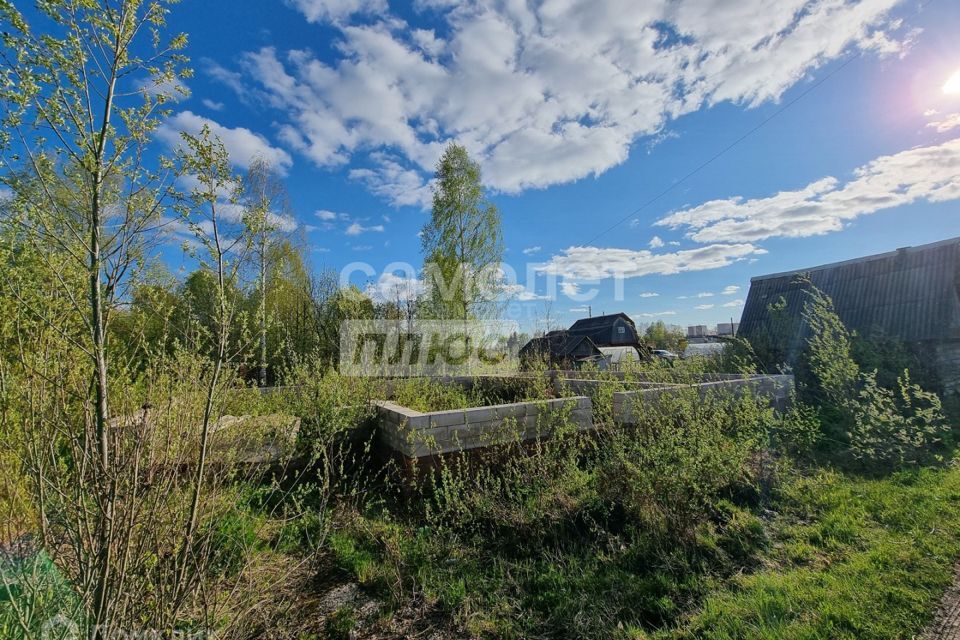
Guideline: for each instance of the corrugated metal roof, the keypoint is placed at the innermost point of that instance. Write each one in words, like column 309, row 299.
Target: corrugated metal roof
column 912, row 294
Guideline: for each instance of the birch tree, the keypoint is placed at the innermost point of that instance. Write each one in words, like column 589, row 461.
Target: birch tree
column 79, row 105
column 463, row 241
column 265, row 198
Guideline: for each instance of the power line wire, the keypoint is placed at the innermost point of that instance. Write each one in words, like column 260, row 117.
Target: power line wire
column 856, row 54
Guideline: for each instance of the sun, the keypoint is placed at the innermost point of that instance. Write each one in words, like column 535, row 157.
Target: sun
column 952, row 86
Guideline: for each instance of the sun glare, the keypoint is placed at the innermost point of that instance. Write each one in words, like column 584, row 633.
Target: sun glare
column 952, row 86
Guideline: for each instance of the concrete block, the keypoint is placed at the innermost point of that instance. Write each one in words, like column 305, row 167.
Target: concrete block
column 514, row 411
column 418, row 422
column 480, row 414
column 447, row 418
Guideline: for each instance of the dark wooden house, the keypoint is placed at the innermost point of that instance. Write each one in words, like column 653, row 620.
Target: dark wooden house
column 911, row 295
column 614, row 330
column 558, row 350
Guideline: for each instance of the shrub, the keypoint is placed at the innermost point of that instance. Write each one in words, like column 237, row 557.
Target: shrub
column 668, row 469
column 893, row 429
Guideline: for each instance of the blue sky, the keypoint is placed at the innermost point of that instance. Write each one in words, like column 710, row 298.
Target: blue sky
column 579, row 114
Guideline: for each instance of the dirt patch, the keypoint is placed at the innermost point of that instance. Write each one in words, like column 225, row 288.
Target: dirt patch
column 946, row 624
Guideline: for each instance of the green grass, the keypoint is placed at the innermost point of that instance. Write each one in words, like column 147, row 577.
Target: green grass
column 851, row 558
column 842, row 557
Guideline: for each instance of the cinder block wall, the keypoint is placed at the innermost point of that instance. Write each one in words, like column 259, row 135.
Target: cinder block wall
column 415, row 434
column 777, row 388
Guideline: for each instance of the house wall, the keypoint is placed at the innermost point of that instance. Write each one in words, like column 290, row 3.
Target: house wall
column 947, row 355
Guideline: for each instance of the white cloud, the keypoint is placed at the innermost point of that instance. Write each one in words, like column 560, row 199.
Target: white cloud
column 948, row 123
column 595, row 263
column 327, row 216
column 648, row 294
column 730, row 290
column 734, row 303
column 398, row 185
column 705, row 294
column 282, row 222
column 540, row 93
column 569, row 289
column 213, row 105
column 332, row 10
column 656, row 242
column 920, row 174
column 391, row 286
column 242, row 144
column 170, row 90
column 660, row 314
column 704, row 307
column 520, row 293
column 356, row 229
column 529, row 251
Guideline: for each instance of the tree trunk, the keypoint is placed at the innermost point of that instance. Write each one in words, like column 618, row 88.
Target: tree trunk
column 263, row 313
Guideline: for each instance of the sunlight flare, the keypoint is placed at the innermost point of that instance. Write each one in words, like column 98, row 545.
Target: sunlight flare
column 952, row 85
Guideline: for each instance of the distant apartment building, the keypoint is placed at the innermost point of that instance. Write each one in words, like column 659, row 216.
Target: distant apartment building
column 728, row 328
column 698, row 331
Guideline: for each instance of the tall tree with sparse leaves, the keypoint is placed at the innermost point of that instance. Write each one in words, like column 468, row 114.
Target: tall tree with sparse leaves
column 463, row 241
column 78, row 107
column 266, row 202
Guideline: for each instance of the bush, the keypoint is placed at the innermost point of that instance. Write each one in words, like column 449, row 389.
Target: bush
column 894, row 429
column 668, row 470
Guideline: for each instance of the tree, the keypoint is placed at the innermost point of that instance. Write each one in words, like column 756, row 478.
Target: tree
column 664, row 337
column 463, row 241
column 266, row 202
column 83, row 88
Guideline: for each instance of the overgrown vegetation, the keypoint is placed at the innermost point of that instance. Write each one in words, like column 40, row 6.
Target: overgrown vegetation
column 150, row 483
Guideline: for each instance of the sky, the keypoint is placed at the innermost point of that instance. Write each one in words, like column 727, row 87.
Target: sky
column 646, row 157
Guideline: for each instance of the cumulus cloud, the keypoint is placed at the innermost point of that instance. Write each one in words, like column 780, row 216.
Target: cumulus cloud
column 356, row 229
column 398, row 185
column 595, row 263
column 929, row 174
column 705, row 294
column 520, row 293
column 648, row 294
column 529, row 251
column 242, row 144
column 213, row 105
column 389, row 287
column 332, row 10
column 734, row 303
column 540, row 93
column 948, row 123
column 569, row 288
column 704, row 307
column 730, row 290
column 282, row 222
column 656, row 242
